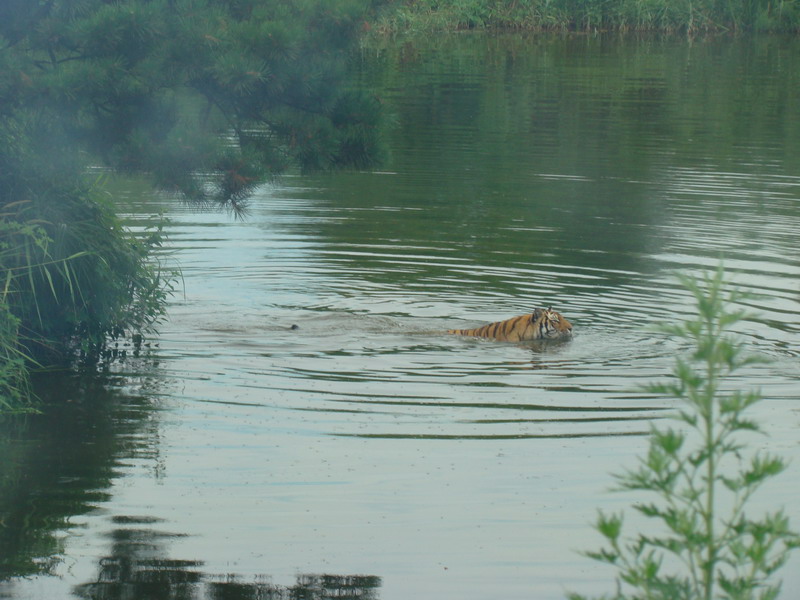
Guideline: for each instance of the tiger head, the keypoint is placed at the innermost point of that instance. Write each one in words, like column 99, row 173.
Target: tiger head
column 550, row 324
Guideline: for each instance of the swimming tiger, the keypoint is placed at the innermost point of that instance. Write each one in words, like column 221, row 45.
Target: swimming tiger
column 540, row 324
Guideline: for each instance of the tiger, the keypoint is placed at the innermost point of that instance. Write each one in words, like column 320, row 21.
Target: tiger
column 540, row 324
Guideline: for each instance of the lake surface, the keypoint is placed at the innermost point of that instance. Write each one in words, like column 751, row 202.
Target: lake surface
column 368, row 455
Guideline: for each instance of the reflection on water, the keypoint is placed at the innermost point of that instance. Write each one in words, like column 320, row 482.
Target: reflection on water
column 139, row 567
column 572, row 172
column 61, row 464
column 57, row 473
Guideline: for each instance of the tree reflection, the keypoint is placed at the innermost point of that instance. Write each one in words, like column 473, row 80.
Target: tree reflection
column 307, row 587
column 138, row 567
column 60, row 464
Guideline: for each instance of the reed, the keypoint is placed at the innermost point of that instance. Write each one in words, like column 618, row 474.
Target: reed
column 15, row 240
column 15, row 392
column 73, row 279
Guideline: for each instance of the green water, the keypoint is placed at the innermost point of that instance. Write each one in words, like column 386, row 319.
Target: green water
column 366, row 454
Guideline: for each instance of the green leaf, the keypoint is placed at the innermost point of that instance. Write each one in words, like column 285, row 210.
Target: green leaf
column 763, row 467
column 670, row 441
column 734, row 484
column 604, row 556
column 609, row 526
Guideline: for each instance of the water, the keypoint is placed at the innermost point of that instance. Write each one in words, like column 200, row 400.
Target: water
column 366, row 454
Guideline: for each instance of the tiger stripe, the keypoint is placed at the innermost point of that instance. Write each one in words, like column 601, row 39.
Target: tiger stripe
column 540, row 324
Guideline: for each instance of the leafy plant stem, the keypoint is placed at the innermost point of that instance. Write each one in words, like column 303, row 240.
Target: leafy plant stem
column 712, row 548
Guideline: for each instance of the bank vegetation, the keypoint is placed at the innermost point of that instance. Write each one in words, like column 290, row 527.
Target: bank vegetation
column 685, row 16
column 205, row 99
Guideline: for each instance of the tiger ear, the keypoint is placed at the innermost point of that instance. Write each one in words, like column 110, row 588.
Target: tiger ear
column 537, row 314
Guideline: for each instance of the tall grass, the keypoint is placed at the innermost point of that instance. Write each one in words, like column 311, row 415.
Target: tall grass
column 14, row 383
column 642, row 15
column 73, row 279
column 15, row 240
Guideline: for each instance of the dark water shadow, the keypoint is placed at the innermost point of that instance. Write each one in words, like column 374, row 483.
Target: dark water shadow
column 61, row 464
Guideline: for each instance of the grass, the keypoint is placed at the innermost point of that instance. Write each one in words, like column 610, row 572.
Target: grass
column 73, row 279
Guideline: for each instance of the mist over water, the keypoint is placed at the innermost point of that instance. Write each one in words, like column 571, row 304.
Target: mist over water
column 241, row 456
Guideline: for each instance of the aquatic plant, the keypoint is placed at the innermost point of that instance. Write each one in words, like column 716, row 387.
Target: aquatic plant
column 706, row 544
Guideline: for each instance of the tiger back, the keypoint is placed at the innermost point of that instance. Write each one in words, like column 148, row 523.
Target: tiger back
column 540, row 324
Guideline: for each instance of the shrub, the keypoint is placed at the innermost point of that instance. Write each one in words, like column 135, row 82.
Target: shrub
column 706, row 546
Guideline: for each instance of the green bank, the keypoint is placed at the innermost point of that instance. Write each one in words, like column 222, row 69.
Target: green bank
column 590, row 15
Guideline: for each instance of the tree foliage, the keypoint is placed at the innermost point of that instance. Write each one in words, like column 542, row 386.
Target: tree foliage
column 208, row 98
